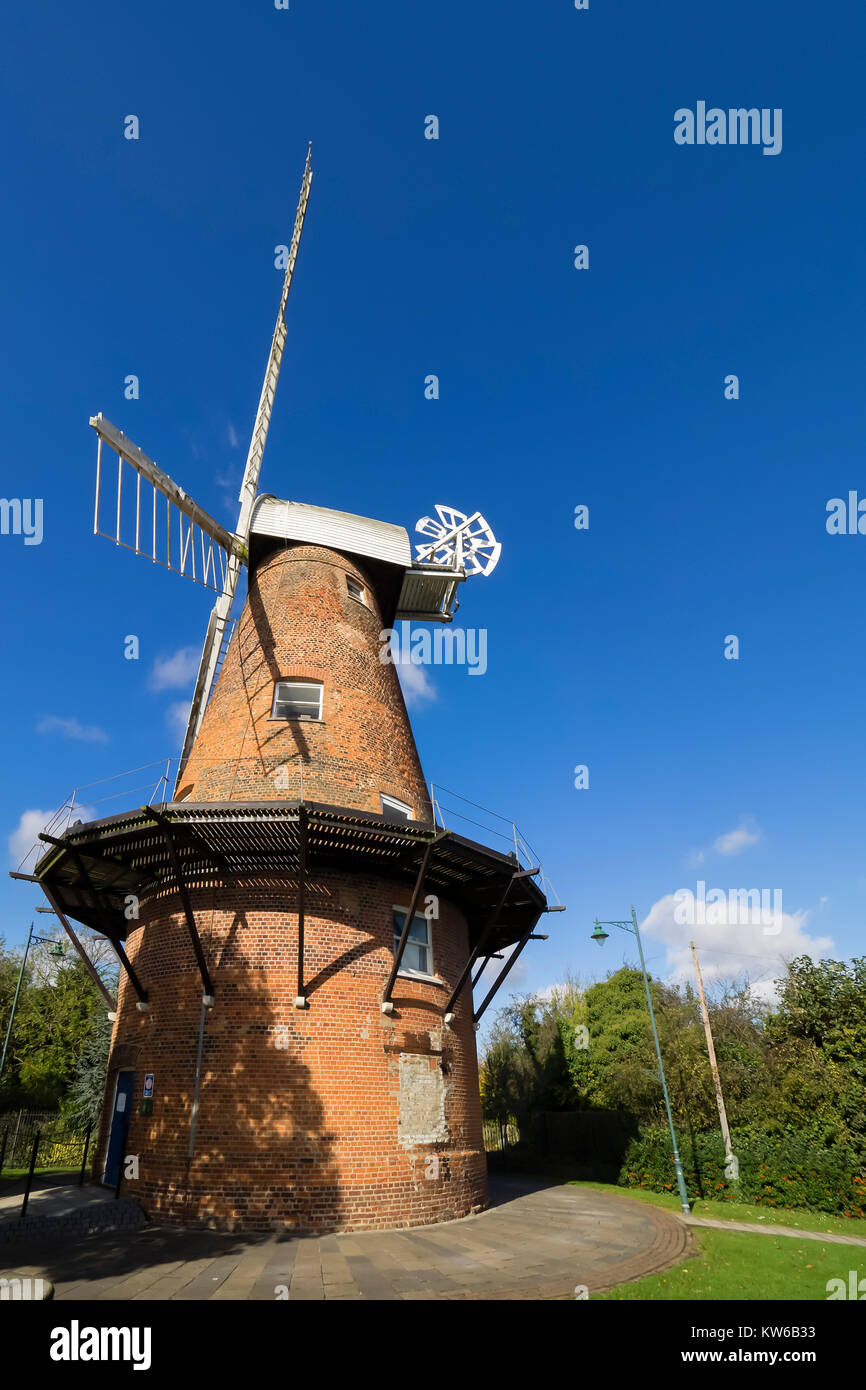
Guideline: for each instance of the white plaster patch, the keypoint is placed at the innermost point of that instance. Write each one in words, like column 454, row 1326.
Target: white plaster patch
column 422, row 1101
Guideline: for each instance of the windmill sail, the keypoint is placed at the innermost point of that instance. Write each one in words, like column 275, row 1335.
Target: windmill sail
column 160, row 521
column 249, row 487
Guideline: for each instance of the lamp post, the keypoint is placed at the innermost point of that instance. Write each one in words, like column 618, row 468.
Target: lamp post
column 600, row 935
column 57, row 951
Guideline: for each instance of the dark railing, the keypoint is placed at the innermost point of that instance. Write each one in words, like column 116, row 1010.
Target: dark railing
column 42, row 1141
column 154, row 784
column 499, row 1136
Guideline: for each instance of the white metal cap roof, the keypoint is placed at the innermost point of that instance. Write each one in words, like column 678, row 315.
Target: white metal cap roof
column 358, row 535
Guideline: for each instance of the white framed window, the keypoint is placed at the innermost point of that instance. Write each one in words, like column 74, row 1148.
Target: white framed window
column 418, row 955
column 395, row 810
column 356, row 589
column 297, row 700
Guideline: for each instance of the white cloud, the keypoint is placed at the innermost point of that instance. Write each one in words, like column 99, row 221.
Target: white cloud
column 175, row 671
column 550, row 992
column 232, row 436
column 736, row 940
column 746, row 834
column 69, row 727
column 176, row 717
column 22, row 839
column 417, row 686
column 24, row 843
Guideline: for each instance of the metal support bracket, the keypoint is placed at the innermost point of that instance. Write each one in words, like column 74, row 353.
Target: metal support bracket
column 86, row 961
column 409, row 919
column 500, row 979
column 121, row 954
column 143, row 1004
column 485, row 936
column 184, row 897
column 303, row 854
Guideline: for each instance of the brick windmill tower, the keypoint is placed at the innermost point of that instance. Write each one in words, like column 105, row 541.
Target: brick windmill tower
column 294, row 1043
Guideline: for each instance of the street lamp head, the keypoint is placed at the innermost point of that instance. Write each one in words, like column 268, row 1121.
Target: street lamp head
column 599, row 935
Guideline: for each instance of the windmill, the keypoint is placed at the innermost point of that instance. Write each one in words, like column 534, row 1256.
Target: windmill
column 463, row 545
column 297, row 904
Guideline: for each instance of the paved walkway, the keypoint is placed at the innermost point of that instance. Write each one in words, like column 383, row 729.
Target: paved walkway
column 61, row 1212
column 537, row 1241
column 50, row 1197
column 752, row 1227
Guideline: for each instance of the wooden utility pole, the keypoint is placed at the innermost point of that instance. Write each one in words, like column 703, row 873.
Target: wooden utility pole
column 714, row 1067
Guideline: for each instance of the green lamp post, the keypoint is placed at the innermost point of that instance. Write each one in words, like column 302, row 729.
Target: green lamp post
column 600, row 935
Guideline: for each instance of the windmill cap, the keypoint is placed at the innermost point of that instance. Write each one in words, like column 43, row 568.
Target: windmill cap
column 343, row 531
column 405, row 588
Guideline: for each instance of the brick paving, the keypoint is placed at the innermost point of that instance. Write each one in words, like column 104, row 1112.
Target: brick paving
column 537, row 1242
column 56, row 1208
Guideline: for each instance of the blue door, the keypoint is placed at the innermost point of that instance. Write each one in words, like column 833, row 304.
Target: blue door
column 119, row 1124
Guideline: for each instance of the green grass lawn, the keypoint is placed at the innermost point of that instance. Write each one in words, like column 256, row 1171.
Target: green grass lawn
column 15, row 1174
column 735, row 1266
column 738, row 1267
column 817, row 1221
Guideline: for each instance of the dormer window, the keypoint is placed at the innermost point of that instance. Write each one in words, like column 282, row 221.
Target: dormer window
column 297, row 700
column 356, row 589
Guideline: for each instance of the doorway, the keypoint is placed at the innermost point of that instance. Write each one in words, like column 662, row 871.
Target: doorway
column 120, row 1116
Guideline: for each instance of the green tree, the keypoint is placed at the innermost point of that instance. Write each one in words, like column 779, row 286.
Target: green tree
column 793, row 1074
column 11, row 1092
column 84, row 1101
column 52, row 1025
column 816, row 1041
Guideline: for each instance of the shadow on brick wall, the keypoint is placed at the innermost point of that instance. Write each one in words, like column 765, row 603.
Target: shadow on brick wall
column 262, row 1159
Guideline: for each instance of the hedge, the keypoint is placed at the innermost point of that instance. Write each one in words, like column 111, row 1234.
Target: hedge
column 783, row 1169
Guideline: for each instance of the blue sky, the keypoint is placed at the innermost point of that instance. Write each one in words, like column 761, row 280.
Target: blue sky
column 559, row 387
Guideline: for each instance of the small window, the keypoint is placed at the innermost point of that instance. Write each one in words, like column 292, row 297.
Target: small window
column 356, row 590
column 297, row 700
column 418, row 955
column 395, row 810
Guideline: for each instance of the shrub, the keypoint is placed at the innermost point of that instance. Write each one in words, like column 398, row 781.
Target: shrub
column 781, row 1168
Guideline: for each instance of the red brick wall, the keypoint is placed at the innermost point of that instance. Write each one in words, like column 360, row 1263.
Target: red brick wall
column 308, row 1135
column 299, row 621
column 361, row 1119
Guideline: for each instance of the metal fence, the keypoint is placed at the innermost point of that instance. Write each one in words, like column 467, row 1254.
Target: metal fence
column 591, row 1142
column 59, row 1142
column 35, row 1140
column 19, row 1127
column 499, row 1137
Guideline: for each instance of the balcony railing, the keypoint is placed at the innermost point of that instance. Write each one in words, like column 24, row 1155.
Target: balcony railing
column 153, row 784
